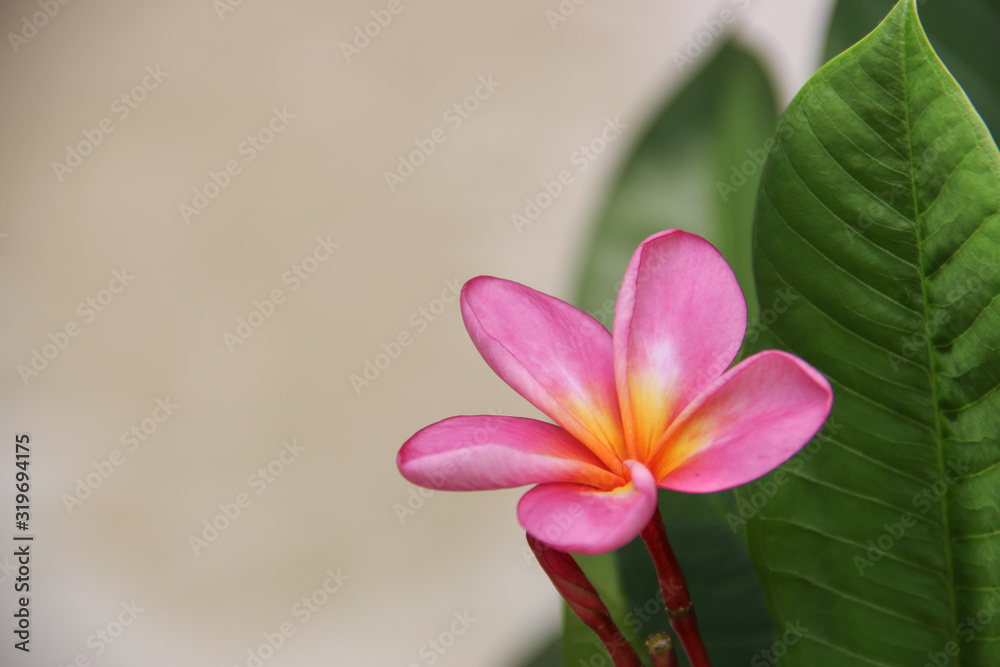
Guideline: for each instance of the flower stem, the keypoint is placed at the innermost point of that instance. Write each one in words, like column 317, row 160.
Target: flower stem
column 583, row 599
column 675, row 592
column 661, row 650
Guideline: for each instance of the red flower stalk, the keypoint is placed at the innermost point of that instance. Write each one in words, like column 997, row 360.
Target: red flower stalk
column 675, row 591
column 581, row 597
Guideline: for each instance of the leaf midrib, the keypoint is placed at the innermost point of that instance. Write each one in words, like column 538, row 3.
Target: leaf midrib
column 918, row 217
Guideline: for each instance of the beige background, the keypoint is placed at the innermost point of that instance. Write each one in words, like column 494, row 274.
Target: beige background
column 335, row 506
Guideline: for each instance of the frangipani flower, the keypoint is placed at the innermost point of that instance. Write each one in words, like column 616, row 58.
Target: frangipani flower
column 649, row 405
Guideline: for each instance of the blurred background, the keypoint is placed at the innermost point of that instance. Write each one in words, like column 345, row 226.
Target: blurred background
column 231, row 235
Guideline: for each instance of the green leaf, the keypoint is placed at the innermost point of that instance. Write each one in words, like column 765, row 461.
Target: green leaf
column 549, row 655
column 877, row 228
column 696, row 168
column 964, row 34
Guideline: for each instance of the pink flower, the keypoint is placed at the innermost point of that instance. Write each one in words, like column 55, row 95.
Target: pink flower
column 650, row 406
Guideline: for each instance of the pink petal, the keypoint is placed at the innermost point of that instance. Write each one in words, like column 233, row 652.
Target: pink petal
column 751, row 421
column 557, row 357
column 679, row 322
column 486, row 452
column 585, row 520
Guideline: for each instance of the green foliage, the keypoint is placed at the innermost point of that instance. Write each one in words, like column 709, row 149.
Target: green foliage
column 964, row 34
column 879, row 213
column 876, row 254
column 696, row 168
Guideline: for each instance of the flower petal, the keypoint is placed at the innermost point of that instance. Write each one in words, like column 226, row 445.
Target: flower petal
column 756, row 417
column 487, row 452
column 557, row 357
column 679, row 322
column 585, row 520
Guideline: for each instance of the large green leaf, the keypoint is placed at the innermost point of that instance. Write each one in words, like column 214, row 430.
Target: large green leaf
column 877, row 231
column 964, row 34
column 696, row 168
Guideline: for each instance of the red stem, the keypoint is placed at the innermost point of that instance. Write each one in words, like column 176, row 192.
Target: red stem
column 581, row 597
column 675, row 592
column 661, row 650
